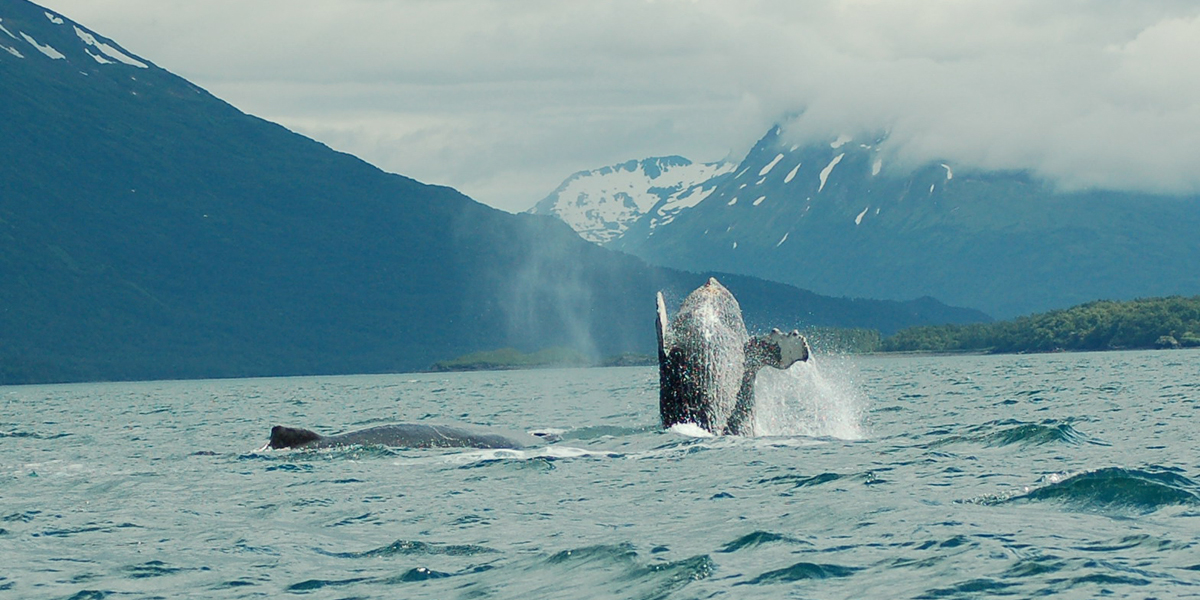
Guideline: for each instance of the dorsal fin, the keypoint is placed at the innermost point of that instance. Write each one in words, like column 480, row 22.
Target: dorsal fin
column 291, row 437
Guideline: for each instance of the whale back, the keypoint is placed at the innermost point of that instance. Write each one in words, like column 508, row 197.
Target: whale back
column 701, row 358
column 403, row 435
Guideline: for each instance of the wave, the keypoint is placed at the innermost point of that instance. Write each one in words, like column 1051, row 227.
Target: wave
column 415, row 548
column 32, row 435
column 1114, row 490
column 1010, row 432
column 608, row 570
column 799, row 480
column 760, row 538
column 802, row 571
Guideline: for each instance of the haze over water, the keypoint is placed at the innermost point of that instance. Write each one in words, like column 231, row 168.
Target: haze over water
column 1068, row 475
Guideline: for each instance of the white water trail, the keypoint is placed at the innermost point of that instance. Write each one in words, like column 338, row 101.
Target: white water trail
column 817, row 398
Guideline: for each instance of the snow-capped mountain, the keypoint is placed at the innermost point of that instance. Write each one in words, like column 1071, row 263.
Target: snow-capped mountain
column 840, row 218
column 602, row 203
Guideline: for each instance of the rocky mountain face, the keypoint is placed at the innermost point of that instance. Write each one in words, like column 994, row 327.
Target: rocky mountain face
column 601, row 204
column 838, row 218
column 149, row 230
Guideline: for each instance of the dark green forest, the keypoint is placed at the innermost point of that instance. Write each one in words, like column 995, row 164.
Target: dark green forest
column 1170, row 322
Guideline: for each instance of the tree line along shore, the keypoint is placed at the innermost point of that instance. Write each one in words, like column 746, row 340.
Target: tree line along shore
column 1170, row 322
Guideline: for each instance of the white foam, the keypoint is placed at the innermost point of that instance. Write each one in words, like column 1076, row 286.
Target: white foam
column 878, row 166
column 690, row 430
column 949, row 173
column 759, row 201
column 484, row 455
column 791, row 175
column 13, row 51
column 829, row 169
column 770, row 165
column 732, row 202
column 113, row 53
column 782, row 239
column 47, row 49
column 859, row 218
column 817, row 398
column 734, row 246
column 54, row 18
column 842, row 140
column 931, row 186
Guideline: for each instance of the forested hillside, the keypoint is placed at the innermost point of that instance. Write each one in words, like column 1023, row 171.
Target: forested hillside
column 1102, row 325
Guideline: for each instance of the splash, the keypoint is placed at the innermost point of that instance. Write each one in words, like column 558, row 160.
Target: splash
column 816, row 398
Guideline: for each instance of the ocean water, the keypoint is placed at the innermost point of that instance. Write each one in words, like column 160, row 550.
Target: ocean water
column 1065, row 475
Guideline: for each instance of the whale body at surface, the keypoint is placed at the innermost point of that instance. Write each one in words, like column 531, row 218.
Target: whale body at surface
column 708, row 361
column 403, row 435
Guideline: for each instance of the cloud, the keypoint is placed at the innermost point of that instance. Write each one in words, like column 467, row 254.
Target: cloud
column 505, row 99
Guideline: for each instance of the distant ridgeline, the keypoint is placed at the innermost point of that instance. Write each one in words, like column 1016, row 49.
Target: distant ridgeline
column 1172, row 322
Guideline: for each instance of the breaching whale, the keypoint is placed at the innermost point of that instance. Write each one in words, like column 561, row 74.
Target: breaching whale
column 405, row 435
column 707, row 362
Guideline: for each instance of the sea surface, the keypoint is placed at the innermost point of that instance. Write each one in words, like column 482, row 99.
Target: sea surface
column 1063, row 475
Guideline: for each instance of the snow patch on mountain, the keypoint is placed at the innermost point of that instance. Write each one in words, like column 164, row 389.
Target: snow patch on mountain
column 91, row 40
column 829, row 169
column 770, row 165
column 5, row 30
column 63, row 47
column 601, row 204
column 46, row 49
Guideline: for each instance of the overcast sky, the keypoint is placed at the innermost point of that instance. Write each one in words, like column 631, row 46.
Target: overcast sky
column 503, row 99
